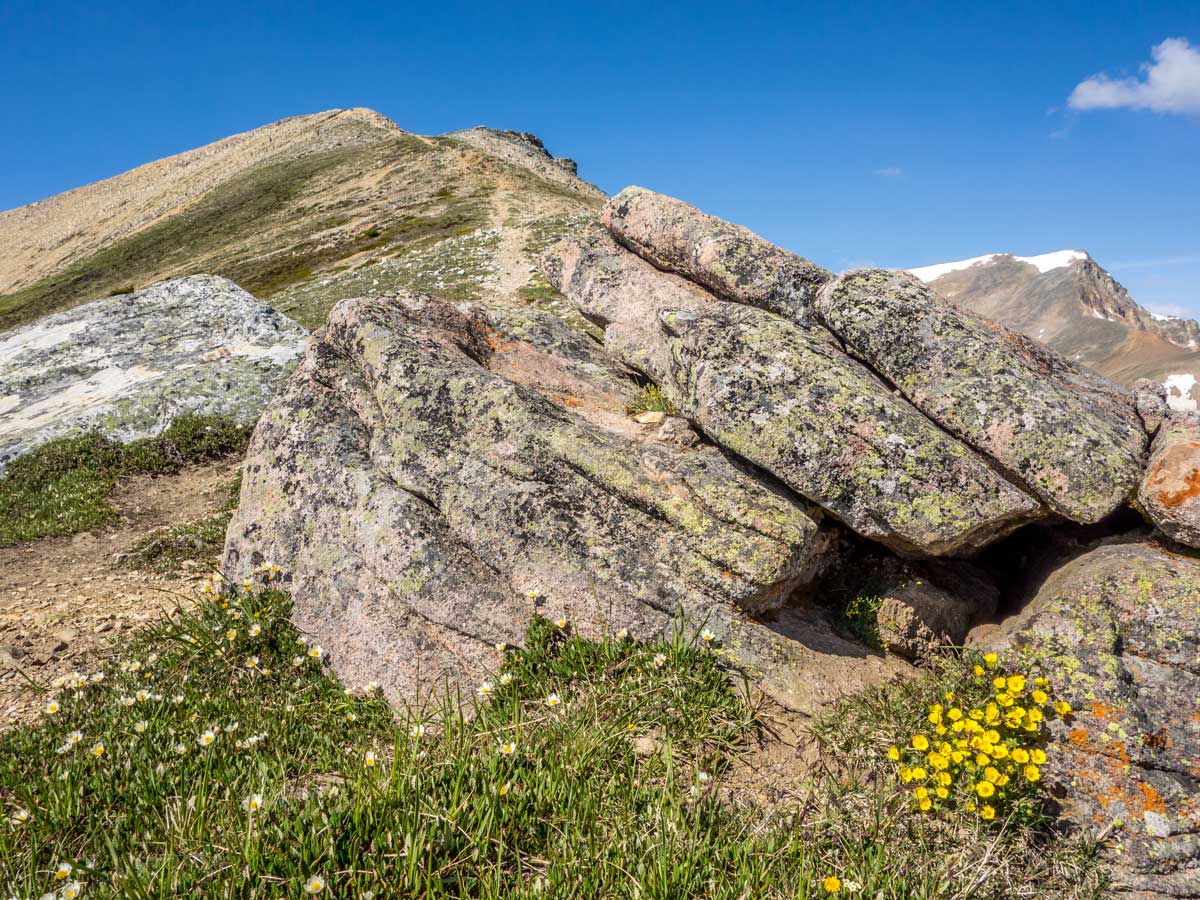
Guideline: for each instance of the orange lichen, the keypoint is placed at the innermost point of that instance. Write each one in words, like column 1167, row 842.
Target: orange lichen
column 1153, row 802
column 1078, row 737
column 1191, row 488
column 1102, row 711
column 489, row 335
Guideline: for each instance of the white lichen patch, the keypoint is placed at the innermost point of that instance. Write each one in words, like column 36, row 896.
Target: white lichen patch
column 39, row 336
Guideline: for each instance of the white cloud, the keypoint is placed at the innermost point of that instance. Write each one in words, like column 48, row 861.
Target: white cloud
column 890, row 172
column 1169, row 84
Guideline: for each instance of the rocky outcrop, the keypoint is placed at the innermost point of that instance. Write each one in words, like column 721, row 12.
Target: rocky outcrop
column 432, row 477
column 1115, row 630
column 1169, row 494
column 1076, row 442
column 127, row 365
column 784, row 397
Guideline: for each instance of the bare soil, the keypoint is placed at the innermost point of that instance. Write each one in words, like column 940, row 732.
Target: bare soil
column 67, row 604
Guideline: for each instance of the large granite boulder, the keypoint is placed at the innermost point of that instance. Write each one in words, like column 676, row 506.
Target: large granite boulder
column 1169, row 494
column 1117, row 631
column 783, row 396
column 127, row 365
column 731, row 261
column 432, row 476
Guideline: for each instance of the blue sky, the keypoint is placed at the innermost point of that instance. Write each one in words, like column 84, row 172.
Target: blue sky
column 893, row 134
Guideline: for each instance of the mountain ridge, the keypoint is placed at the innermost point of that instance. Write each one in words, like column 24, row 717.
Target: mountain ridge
column 1070, row 302
column 285, row 205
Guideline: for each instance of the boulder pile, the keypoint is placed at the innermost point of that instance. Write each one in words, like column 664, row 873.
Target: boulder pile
column 433, row 475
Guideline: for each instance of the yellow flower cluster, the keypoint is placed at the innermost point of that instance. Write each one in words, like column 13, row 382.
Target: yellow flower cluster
column 982, row 751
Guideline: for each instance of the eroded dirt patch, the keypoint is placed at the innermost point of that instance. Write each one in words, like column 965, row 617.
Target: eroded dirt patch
column 67, row 603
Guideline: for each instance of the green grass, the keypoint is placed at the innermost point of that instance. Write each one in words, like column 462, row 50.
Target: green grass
column 604, row 795
column 167, row 549
column 64, row 486
column 651, row 399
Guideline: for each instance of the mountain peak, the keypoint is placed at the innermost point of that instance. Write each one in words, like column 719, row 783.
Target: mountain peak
column 1068, row 301
column 302, row 211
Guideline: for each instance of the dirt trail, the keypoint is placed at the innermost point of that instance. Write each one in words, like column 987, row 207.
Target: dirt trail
column 65, row 603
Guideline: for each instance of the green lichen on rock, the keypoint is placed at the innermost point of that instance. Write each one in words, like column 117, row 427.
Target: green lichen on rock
column 783, row 396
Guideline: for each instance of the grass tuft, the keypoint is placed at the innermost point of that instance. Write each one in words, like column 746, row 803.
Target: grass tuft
column 651, row 399
column 860, row 619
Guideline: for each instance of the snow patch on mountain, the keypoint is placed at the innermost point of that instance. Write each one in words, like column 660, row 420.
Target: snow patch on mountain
column 1179, row 391
column 1043, row 263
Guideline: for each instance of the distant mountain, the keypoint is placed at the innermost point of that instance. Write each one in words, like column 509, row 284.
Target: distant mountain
column 303, row 212
column 1066, row 300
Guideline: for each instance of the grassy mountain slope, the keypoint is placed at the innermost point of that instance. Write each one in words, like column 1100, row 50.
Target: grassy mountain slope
column 302, row 211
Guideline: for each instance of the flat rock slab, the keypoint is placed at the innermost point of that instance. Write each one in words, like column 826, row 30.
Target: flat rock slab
column 731, row 261
column 1117, row 631
column 784, row 397
column 418, row 497
column 1068, row 436
column 128, row 365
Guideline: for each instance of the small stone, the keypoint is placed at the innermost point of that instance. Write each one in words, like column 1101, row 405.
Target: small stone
column 676, row 430
column 650, row 417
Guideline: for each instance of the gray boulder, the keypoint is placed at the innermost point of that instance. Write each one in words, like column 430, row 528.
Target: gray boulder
column 1076, row 442
column 128, row 365
column 784, row 397
column 731, row 261
column 432, row 476
column 1116, row 632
